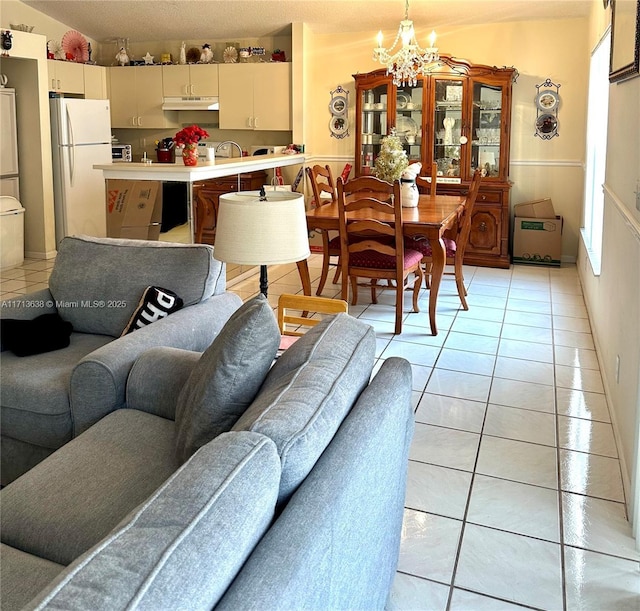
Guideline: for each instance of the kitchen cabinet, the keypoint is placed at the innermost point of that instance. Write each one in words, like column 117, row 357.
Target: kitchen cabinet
column 190, row 80
column 255, row 96
column 95, row 82
column 65, row 77
column 136, row 98
column 206, row 197
column 458, row 116
column 9, row 181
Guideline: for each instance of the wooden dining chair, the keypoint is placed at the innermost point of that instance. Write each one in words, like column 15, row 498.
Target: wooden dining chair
column 371, row 247
column 324, row 191
column 428, row 186
column 455, row 245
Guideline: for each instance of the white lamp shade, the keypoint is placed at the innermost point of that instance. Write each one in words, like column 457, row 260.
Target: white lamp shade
column 254, row 232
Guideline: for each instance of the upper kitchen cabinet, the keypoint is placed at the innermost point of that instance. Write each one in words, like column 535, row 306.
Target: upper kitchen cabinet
column 95, row 82
column 190, row 80
column 459, row 116
column 65, row 77
column 136, row 98
column 255, row 96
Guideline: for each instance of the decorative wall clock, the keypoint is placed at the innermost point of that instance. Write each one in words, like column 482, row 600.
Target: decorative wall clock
column 338, row 107
column 547, row 103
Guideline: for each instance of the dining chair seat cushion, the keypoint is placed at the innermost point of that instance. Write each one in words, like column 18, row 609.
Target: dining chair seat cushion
column 376, row 260
column 424, row 246
column 334, row 243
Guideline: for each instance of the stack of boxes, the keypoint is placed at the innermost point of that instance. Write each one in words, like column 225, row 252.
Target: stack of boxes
column 537, row 234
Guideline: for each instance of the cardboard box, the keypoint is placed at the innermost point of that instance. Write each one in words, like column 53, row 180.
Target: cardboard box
column 134, row 209
column 537, row 241
column 538, row 209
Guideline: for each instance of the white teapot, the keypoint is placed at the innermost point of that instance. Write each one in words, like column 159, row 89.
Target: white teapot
column 409, row 194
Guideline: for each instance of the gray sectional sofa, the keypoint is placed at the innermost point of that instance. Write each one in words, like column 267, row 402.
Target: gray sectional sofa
column 96, row 285
column 224, row 483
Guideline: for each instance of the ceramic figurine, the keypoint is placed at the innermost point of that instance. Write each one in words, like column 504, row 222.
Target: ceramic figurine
column 206, row 57
column 148, row 58
column 409, row 194
column 183, row 53
column 122, row 58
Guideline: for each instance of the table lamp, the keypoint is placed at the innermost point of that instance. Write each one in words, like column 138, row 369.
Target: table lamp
column 261, row 228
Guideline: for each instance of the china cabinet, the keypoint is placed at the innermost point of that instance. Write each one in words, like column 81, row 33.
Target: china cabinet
column 190, row 80
column 458, row 116
column 255, row 96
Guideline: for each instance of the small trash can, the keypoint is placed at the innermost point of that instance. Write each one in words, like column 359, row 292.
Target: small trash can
column 11, row 232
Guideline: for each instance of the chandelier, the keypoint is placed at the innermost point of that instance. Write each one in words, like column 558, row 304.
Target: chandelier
column 409, row 61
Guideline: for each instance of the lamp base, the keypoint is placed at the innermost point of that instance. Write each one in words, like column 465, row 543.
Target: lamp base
column 264, row 282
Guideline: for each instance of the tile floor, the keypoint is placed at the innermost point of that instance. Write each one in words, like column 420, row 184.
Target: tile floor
column 515, row 495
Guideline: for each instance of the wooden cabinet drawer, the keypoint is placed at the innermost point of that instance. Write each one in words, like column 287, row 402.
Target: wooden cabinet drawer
column 489, row 197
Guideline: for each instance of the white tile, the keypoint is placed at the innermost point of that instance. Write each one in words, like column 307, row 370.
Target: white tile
column 461, row 385
column 462, row 600
column 511, row 567
column 570, row 323
column 566, row 309
column 518, row 508
column 529, row 334
column 520, row 424
column 420, row 376
column 414, row 353
column 597, row 525
column 595, row 581
column 527, row 463
column 573, row 339
column 482, row 313
column 469, row 362
column 473, row 343
column 428, row 545
column 587, row 436
column 533, row 351
column 527, row 395
column 580, row 404
column 485, row 301
column 590, row 474
column 524, row 370
column 579, row 379
column 445, row 447
column 528, row 319
column 437, row 490
column 576, row 357
column 490, row 290
column 409, row 593
column 543, row 296
column 477, row 327
column 450, row 412
column 571, row 299
column 527, row 305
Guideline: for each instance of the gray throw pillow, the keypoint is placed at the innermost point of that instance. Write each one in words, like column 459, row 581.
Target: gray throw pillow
column 227, row 377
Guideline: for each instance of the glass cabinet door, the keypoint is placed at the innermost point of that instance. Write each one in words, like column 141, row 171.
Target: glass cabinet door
column 373, row 103
column 447, row 125
column 409, row 101
column 486, row 119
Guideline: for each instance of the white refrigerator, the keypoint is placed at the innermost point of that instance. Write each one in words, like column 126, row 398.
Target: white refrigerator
column 80, row 138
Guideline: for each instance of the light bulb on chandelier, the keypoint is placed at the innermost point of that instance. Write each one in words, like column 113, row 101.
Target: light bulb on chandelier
column 410, row 60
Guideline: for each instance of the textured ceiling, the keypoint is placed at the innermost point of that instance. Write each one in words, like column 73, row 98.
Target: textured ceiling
column 147, row 20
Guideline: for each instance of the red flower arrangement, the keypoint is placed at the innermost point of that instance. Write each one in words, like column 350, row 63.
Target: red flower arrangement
column 190, row 135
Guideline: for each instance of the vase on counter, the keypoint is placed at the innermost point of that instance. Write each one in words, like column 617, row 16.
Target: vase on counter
column 190, row 154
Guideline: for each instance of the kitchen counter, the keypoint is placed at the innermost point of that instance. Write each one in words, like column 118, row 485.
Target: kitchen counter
column 203, row 171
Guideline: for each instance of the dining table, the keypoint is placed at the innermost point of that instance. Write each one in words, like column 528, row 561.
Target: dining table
column 430, row 219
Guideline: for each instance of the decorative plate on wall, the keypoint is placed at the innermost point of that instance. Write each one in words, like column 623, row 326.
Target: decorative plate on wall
column 76, row 45
column 547, row 100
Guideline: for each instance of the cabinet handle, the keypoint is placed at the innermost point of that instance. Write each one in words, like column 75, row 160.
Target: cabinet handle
column 255, row 122
column 482, row 227
column 139, row 121
column 53, row 83
column 59, row 84
column 193, row 89
column 483, row 197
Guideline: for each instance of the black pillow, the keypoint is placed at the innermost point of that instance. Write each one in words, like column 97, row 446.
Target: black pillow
column 42, row 334
column 156, row 303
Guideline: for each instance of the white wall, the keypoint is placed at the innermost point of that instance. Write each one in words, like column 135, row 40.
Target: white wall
column 613, row 297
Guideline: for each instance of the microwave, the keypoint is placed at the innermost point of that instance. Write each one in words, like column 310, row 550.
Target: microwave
column 121, row 152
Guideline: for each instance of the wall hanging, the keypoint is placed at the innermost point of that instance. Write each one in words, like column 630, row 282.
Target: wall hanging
column 338, row 107
column 547, row 102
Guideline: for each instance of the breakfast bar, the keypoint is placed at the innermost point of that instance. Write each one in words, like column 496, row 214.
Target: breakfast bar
column 205, row 170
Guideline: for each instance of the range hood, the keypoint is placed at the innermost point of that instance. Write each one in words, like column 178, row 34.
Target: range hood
column 191, row 103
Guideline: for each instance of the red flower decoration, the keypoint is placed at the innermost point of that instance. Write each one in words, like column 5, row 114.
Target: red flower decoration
column 190, row 135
